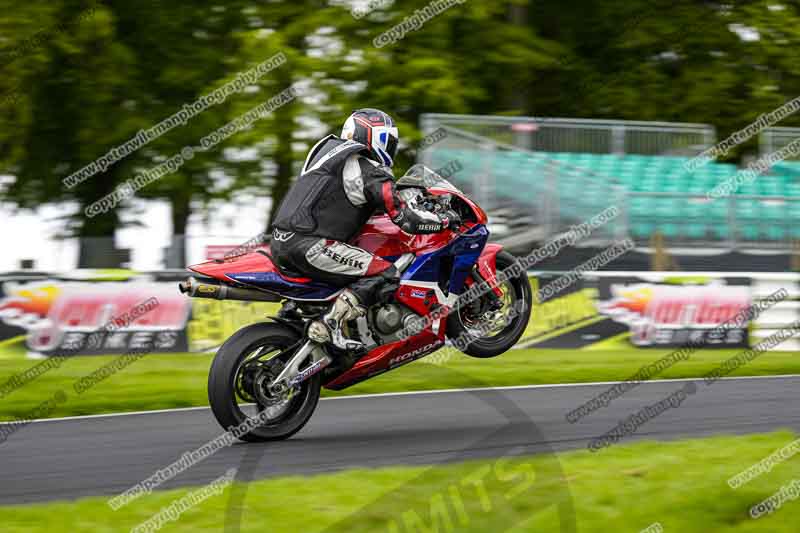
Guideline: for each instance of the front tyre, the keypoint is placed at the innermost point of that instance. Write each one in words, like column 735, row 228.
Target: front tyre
column 237, row 381
column 488, row 330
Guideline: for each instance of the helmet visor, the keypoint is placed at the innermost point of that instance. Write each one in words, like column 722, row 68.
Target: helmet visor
column 387, row 141
column 391, row 143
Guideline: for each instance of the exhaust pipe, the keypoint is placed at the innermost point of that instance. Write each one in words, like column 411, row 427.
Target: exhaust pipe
column 215, row 290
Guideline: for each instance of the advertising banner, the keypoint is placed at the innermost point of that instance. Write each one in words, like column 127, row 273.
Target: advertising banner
column 88, row 314
column 660, row 309
column 86, row 317
column 671, row 311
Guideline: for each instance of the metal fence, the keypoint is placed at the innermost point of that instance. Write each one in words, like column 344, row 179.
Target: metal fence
column 773, row 139
column 745, row 223
column 529, row 196
column 582, row 135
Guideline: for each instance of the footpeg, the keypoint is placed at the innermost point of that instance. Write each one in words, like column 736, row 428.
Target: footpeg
column 343, row 343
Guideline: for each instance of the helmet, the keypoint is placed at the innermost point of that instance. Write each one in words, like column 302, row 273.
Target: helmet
column 374, row 129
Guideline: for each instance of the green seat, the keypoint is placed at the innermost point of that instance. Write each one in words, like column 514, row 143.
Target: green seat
column 775, row 233
column 748, row 232
column 746, row 210
column 696, row 209
column 773, row 210
column 641, row 206
column 696, row 230
column 668, row 207
column 642, row 230
column 748, row 189
column 721, row 231
column 668, row 230
column 769, row 186
column 792, row 189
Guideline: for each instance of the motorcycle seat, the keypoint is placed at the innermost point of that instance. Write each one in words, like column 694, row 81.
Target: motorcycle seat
column 283, row 272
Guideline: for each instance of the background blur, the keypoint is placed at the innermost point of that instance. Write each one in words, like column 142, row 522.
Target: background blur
column 618, row 96
column 137, row 137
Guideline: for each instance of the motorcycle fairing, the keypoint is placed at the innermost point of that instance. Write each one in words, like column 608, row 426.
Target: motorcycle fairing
column 257, row 270
column 390, row 356
column 445, row 269
column 432, row 282
column 487, row 267
column 275, row 282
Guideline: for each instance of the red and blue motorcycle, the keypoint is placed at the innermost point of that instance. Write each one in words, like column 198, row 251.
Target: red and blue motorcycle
column 449, row 290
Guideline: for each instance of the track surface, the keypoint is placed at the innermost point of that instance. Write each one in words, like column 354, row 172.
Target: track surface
column 67, row 459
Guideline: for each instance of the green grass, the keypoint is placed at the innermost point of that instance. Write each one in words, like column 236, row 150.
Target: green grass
column 162, row 381
column 543, row 366
column 158, row 381
column 682, row 485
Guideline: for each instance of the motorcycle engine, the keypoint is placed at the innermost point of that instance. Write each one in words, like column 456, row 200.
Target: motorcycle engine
column 389, row 321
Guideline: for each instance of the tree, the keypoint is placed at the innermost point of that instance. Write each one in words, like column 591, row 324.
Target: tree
column 94, row 86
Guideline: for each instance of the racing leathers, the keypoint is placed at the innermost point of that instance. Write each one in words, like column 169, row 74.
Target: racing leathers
column 339, row 188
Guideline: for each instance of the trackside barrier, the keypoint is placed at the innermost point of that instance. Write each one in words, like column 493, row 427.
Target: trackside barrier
column 662, row 309
column 642, row 309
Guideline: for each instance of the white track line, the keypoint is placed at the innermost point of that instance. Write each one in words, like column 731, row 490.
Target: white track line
column 416, row 393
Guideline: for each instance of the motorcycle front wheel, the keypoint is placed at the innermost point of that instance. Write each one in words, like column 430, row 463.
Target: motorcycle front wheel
column 488, row 331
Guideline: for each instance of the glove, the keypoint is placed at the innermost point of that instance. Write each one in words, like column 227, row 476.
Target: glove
column 380, row 171
column 451, row 220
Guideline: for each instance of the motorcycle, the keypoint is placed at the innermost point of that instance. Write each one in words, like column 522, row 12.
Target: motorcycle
column 449, row 290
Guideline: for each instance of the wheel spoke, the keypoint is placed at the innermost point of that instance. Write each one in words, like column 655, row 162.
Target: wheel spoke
column 496, row 320
column 256, row 369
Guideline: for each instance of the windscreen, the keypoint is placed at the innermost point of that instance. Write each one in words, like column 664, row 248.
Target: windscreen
column 421, row 176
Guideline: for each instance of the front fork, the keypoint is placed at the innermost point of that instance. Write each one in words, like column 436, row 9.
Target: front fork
column 487, row 276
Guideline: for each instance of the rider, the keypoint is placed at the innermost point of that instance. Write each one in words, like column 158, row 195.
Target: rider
column 343, row 182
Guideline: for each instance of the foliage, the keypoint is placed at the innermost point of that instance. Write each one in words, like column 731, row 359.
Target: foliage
column 75, row 86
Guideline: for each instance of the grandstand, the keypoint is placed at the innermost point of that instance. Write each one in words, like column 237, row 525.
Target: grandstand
column 549, row 190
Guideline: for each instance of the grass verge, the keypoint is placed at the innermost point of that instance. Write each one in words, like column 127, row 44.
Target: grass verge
column 682, row 485
column 162, row 381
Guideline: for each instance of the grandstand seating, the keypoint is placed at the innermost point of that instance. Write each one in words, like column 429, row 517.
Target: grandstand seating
column 519, row 177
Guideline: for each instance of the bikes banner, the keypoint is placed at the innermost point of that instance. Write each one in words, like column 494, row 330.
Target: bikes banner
column 671, row 311
column 88, row 315
column 71, row 314
column 659, row 309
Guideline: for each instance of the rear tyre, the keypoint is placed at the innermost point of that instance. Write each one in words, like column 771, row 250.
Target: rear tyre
column 475, row 319
column 236, row 383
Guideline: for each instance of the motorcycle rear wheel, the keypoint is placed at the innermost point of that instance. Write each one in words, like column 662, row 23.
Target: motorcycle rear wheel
column 246, row 361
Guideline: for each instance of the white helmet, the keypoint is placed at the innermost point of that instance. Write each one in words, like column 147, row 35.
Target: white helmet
column 374, row 129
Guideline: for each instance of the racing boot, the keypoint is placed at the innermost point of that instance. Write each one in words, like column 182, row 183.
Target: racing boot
column 346, row 307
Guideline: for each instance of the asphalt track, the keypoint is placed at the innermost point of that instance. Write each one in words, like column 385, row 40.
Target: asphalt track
column 72, row 458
